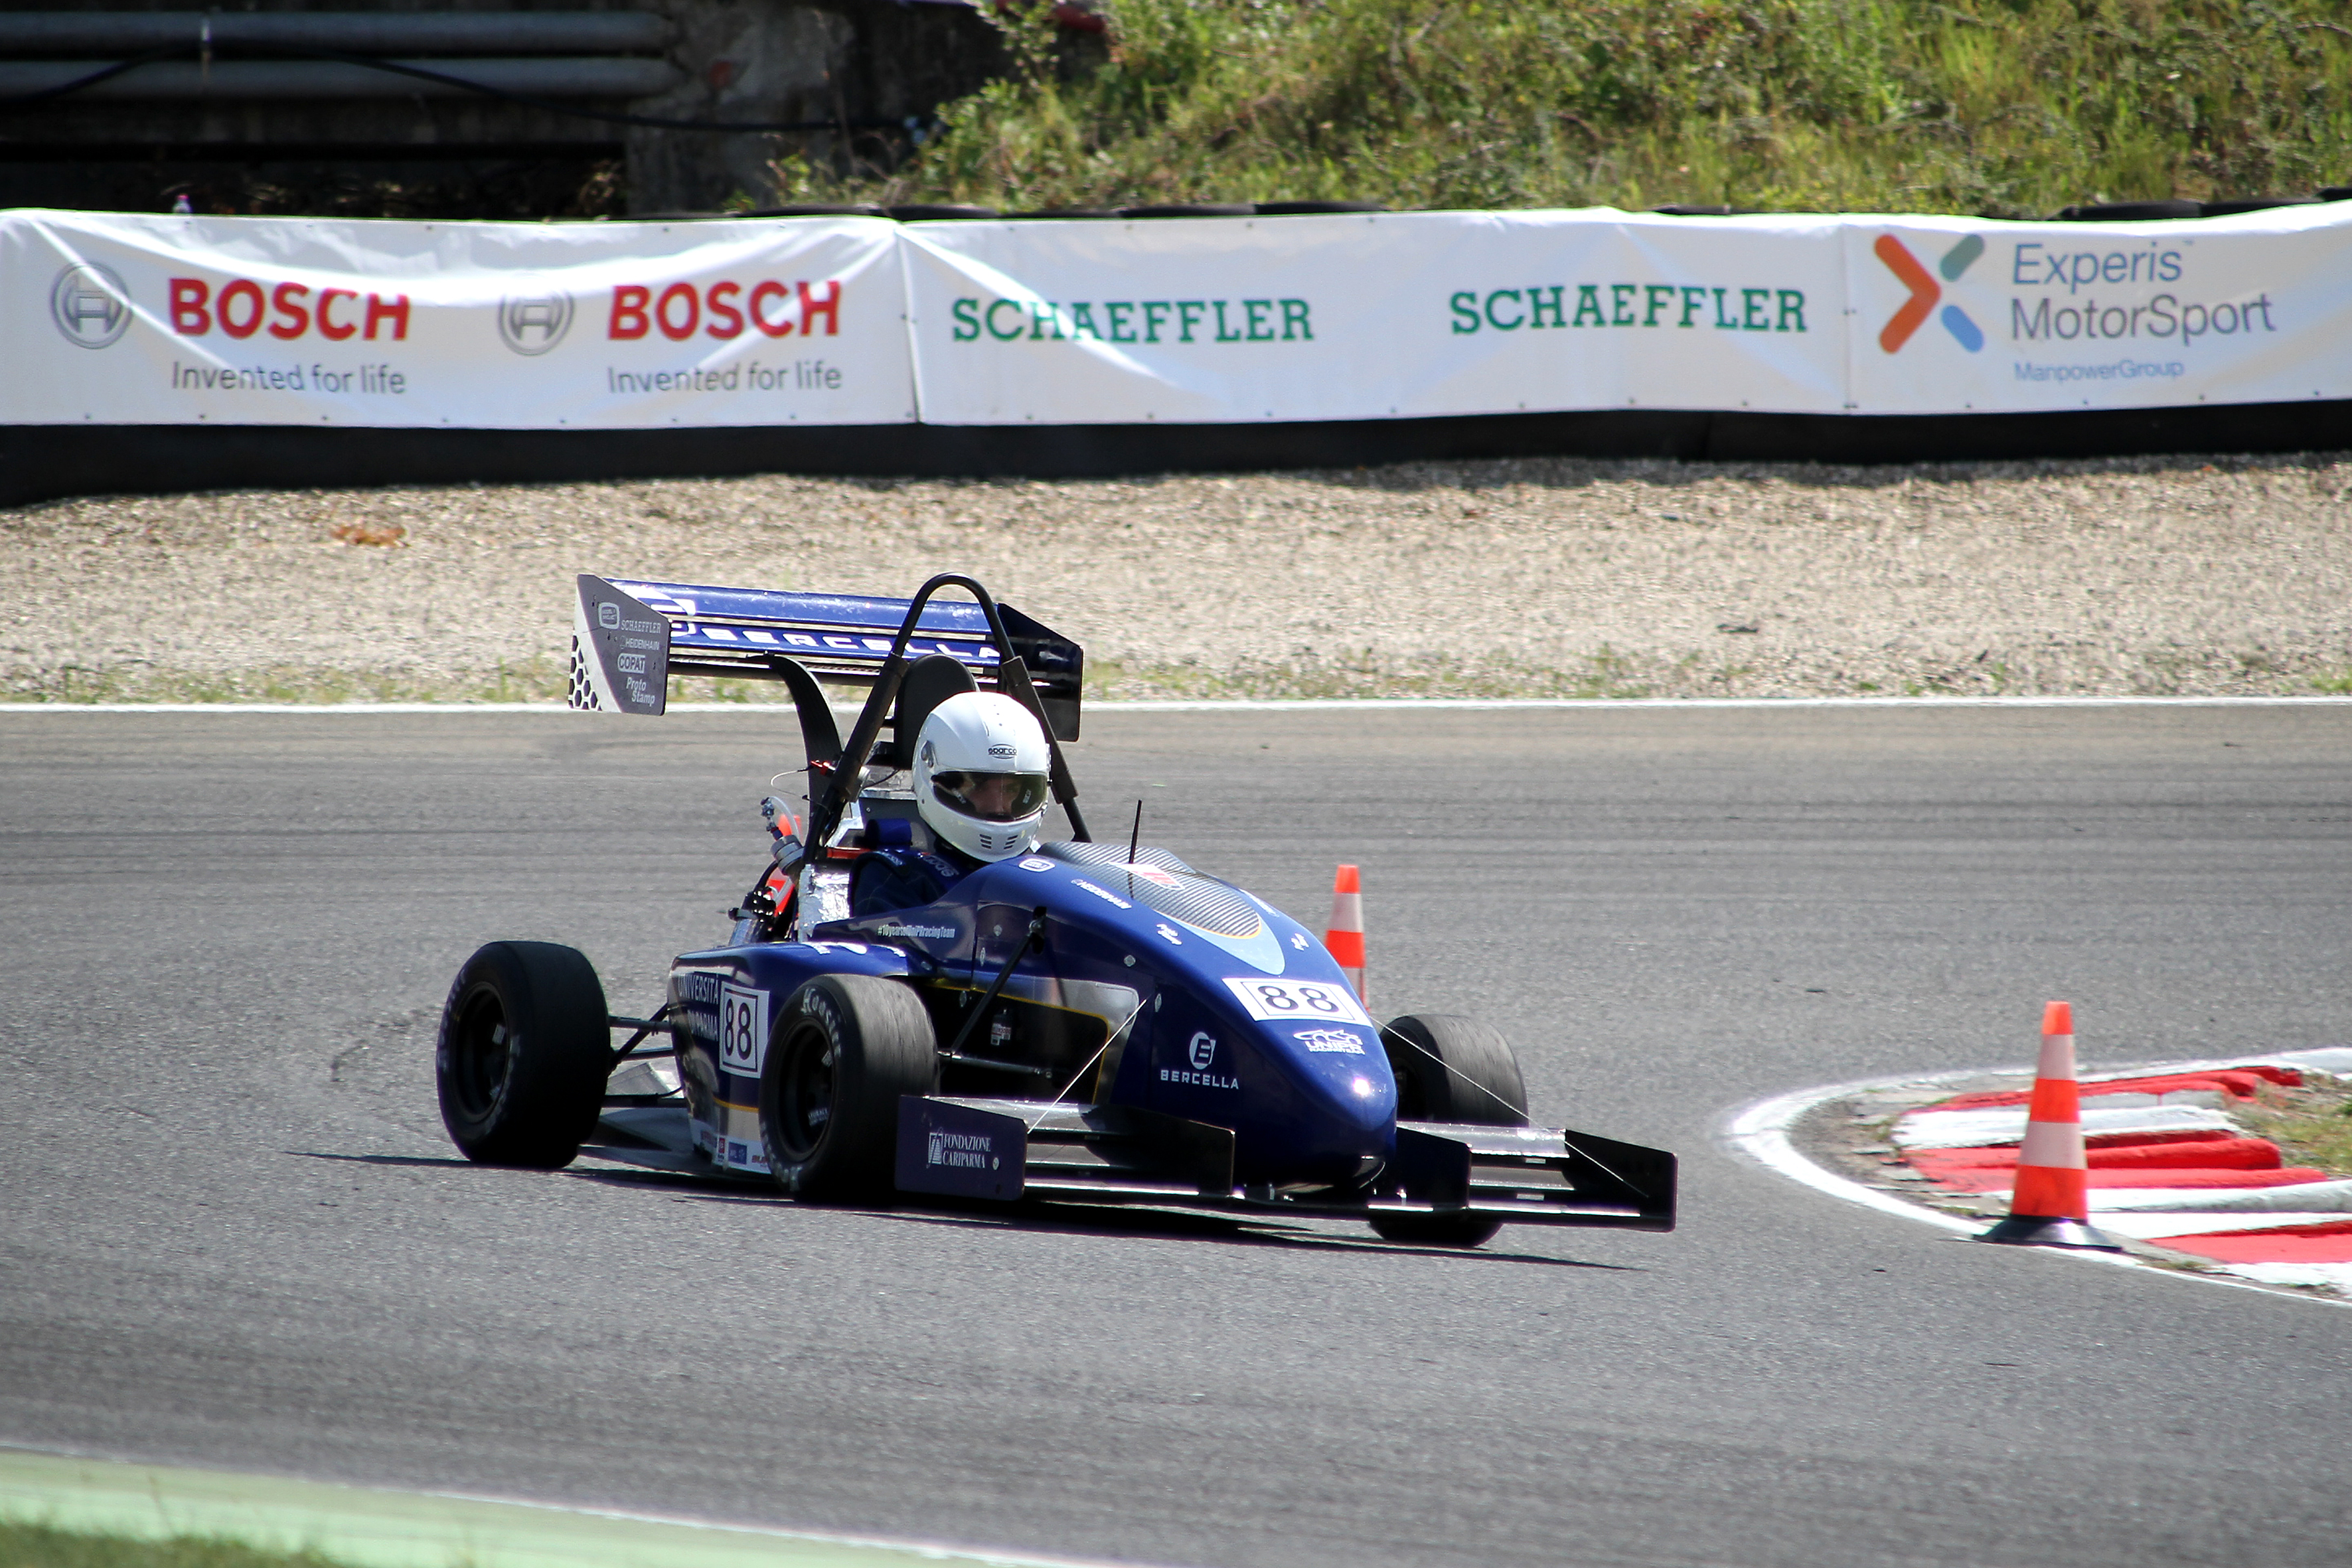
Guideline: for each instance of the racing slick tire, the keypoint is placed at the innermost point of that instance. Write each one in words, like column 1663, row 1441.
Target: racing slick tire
column 843, row 1049
column 1450, row 1068
column 523, row 1054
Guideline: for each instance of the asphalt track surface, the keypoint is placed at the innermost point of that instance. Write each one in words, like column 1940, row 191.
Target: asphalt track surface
column 235, row 1235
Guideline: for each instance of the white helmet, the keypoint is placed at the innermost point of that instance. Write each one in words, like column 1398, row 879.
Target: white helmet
column 980, row 767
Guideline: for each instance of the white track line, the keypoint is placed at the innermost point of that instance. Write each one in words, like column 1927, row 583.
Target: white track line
column 1351, row 704
column 1761, row 1131
column 321, row 709
column 1244, row 705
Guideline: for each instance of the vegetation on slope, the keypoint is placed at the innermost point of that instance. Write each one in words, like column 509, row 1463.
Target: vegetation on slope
column 2004, row 108
column 25, row 1544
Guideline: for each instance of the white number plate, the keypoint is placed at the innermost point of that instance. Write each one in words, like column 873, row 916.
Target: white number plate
column 1283, row 1001
column 743, row 1029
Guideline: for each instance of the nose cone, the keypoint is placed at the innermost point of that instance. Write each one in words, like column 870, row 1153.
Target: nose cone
column 1342, row 1099
column 1364, row 1098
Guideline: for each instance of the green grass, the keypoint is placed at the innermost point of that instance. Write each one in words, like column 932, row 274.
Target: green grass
column 23, row 1545
column 2311, row 1125
column 2004, row 108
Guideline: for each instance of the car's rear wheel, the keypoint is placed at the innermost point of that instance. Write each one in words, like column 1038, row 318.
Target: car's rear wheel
column 1450, row 1068
column 842, row 1051
column 523, row 1054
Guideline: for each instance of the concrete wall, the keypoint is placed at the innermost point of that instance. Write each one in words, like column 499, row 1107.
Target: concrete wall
column 863, row 66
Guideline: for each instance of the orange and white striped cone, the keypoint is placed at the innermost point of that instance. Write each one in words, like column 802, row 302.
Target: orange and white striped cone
column 1346, row 937
column 2050, row 1205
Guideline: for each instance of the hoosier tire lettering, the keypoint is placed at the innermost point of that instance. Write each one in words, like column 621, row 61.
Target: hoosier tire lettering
column 844, row 1051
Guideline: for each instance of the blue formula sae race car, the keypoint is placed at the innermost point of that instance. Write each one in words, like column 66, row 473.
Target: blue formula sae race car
column 1076, row 1022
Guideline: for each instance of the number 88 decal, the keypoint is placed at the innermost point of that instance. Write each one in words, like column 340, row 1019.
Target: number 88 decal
column 743, row 1029
column 1274, row 1000
column 1314, row 998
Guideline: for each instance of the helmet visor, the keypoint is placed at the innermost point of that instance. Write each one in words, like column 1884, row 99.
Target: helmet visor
column 990, row 797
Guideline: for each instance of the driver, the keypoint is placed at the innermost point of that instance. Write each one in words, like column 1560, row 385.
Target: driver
column 980, row 766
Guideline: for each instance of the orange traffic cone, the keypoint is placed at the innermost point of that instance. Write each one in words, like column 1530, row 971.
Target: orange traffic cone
column 2050, row 1205
column 1346, row 937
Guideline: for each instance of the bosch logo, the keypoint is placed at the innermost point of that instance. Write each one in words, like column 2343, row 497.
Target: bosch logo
column 243, row 307
column 530, row 324
column 90, row 305
column 609, row 616
column 1202, row 1050
column 723, row 310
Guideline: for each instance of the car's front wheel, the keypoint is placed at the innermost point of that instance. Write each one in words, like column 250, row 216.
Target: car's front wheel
column 523, row 1054
column 1450, row 1068
column 841, row 1054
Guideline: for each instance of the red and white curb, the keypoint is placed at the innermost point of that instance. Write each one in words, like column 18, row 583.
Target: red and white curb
column 2171, row 1171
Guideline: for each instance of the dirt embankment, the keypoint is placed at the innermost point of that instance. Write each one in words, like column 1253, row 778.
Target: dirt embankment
column 1528, row 577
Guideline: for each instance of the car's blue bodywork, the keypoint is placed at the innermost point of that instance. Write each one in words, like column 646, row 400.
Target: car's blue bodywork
column 1158, row 969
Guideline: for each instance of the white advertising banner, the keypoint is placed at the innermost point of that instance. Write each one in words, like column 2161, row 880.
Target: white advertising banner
column 129, row 319
column 1372, row 317
column 1955, row 316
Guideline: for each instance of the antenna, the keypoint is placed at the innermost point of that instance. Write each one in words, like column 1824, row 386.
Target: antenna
column 1136, row 837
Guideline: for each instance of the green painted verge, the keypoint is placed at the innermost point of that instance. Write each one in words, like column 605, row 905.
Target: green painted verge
column 378, row 1529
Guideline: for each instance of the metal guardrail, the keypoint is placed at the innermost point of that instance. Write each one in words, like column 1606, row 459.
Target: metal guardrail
column 588, row 77
column 445, row 33
column 212, row 55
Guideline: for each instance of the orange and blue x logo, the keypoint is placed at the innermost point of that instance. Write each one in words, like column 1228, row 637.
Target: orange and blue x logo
column 1925, row 292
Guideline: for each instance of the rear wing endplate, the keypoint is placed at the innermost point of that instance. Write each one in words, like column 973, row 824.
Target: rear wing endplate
column 629, row 636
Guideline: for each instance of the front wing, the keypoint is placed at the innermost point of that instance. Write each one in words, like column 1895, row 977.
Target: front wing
column 1007, row 1149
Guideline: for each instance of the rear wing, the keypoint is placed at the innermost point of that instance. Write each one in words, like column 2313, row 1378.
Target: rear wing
column 629, row 636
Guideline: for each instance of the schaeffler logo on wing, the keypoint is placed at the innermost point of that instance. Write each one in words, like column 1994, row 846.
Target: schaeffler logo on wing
column 530, row 324
column 90, row 305
column 1925, row 292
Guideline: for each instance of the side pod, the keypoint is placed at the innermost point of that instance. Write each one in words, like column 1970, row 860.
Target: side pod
column 1104, row 1153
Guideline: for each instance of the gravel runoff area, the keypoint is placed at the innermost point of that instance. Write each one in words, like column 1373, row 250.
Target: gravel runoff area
column 1529, row 577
